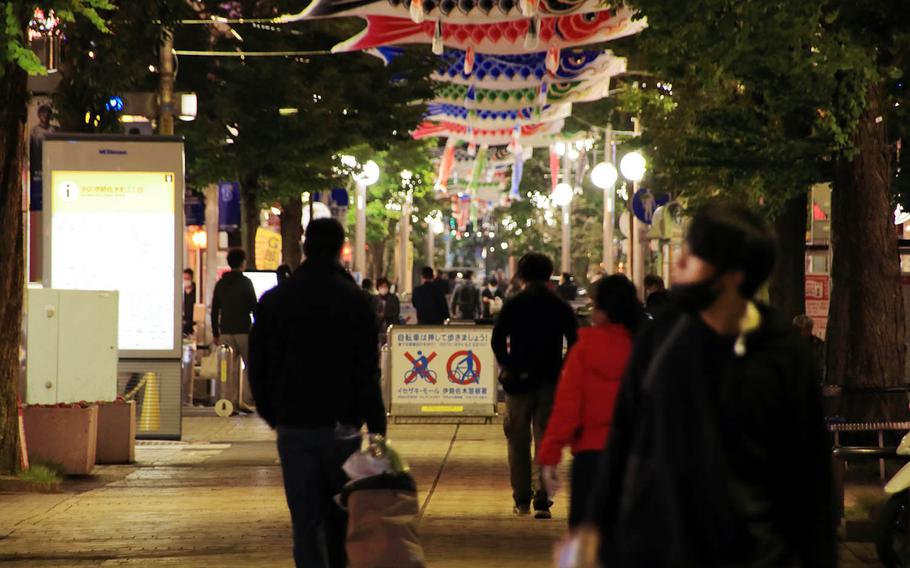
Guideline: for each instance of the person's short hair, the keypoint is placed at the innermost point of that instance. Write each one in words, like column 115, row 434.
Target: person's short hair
column 615, row 295
column 283, row 271
column 427, row 272
column 366, row 284
column 654, row 281
column 567, row 276
column 236, row 257
column 189, row 271
column 324, row 239
column 732, row 238
column 803, row 322
column 383, row 282
column 493, row 281
column 45, row 108
column 535, row 267
column 468, row 274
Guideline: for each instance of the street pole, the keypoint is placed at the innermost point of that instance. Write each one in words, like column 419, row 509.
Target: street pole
column 404, row 285
column 566, row 218
column 360, row 231
column 609, row 207
column 431, row 244
column 636, row 250
column 166, row 85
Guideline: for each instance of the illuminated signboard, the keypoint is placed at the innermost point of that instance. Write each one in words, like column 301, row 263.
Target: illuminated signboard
column 115, row 231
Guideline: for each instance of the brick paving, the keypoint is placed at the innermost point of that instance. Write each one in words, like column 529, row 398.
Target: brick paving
column 215, row 499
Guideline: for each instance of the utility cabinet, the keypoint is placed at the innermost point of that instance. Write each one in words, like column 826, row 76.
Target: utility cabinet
column 72, row 349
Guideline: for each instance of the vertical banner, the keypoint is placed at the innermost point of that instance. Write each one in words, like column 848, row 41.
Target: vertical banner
column 268, row 249
column 818, row 298
column 194, row 209
column 228, row 206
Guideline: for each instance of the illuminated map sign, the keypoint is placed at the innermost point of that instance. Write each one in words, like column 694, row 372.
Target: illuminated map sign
column 116, row 230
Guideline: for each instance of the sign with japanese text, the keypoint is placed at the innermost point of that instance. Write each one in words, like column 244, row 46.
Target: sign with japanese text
column 818, row 298
column 442, row 370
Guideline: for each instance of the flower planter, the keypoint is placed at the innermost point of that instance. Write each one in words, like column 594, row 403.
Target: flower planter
column 116, row 432
column 66, row 435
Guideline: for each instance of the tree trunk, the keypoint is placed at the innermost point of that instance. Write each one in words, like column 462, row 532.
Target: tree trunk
column 291, row 231
column 788, row 288
column 250, row 221
column 12, row 131
column 866, row 322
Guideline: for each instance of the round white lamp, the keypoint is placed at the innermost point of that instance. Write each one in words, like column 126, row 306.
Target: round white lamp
column 604, row 175
column 369, row 175
column 562, row 194
column 632, row 166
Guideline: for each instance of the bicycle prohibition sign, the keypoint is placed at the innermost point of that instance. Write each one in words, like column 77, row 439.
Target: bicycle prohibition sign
column 463, row 368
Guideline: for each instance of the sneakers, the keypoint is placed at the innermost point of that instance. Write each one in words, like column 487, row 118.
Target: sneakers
column 543, row 514
column 521, row 509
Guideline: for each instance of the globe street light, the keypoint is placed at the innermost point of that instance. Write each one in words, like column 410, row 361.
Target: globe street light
column 562, row 194
column 368, row 175
column 632, row 166
column 604, row 176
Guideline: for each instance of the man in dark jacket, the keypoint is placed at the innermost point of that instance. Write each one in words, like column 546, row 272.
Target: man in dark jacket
column 466, row 303
column 429, row 301
column 233, row 301
column 717, row 445
column 312, row 365
column 528, row 340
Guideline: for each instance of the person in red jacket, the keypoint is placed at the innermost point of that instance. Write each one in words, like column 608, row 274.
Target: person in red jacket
column 588, row 388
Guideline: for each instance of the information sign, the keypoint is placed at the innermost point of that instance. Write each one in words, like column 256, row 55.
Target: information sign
column 442, row 370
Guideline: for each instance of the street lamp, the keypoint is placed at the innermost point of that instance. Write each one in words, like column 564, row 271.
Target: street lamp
column 633, row 166
column 368, row 175
column 562, row 194
column 604, row 176
column 562, row 197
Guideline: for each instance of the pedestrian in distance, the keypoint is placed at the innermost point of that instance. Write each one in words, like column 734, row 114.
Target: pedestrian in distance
column 313, row 367
column 388, row 307
column 189, row 302
column 466, row 303
column 567, row 289
column 528, row 341
column 656, row 295
column 718, row 444
column 806, row 327
column 233, row 302
column 492, row 299
column 429, row 301
column 587, row 390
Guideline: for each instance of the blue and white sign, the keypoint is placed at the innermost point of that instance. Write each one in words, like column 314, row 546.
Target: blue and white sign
column 228, row 206
column 645, row 203
column 194, row 209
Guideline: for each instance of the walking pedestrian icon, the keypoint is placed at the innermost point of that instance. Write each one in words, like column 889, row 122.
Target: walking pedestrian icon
column 421, row 368
column 463, row 368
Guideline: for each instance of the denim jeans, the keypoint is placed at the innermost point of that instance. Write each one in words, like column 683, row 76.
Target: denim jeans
column 526, row 419
column 311, row 461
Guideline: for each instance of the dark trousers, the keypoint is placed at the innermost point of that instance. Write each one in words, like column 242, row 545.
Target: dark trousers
column 526, row 416
column 584, row 468
column 311, row 462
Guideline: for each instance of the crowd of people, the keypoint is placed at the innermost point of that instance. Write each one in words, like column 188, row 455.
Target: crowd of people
column 693, row 413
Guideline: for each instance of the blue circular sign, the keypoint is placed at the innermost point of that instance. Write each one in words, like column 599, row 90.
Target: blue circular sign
column 645, row 203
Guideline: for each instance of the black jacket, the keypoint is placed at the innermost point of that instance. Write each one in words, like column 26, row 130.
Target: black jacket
column 313, row 352
column 722, row 457
column 430, row 303
column 388, row 310
column 233, row 300
column 528, row 338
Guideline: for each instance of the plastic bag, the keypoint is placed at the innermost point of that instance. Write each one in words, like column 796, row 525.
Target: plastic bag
column 376, row 456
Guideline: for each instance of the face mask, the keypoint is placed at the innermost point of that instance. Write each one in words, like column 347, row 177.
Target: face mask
column 697, row 296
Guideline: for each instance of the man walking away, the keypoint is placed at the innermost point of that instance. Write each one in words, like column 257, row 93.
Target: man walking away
column 567, row 289
column 312, row 365
column 233, row 300
column 189, row 302
column 718, row 444
column 466, row 299
column 429, row 301
column 528, row 340
column 656, row 296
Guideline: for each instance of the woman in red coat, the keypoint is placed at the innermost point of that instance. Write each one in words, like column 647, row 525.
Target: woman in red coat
column 588, row 387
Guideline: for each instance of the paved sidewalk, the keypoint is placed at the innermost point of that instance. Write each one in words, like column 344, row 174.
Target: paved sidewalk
column 215, row 499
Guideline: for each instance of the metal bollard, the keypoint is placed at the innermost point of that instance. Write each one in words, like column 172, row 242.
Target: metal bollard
column 385, row 365
column 188, row 372
column 226, row 383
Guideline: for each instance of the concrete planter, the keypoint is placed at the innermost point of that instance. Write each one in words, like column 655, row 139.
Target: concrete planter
column 116, row 432
column 64, row 435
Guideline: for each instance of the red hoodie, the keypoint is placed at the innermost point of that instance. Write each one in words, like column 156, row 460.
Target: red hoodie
column 587, row 392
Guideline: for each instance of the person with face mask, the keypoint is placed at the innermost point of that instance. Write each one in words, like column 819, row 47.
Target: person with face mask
column 189, row 300
column 388, row 308
column 717, row 442
column 492, row 299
